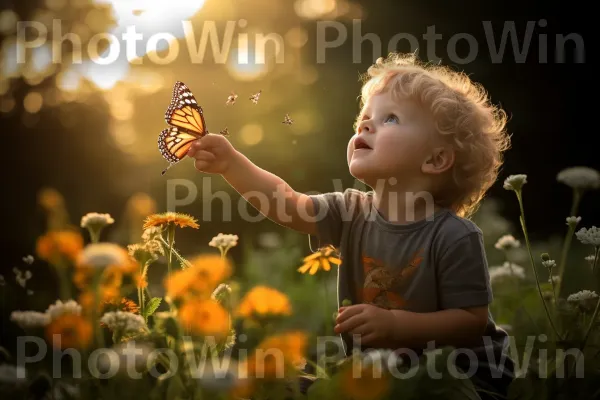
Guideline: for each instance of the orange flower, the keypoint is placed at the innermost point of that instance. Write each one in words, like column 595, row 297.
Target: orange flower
column 114, row 304
column 205, row 317
column 179, row 219
column 50, row 199
column 57, row 245
column 141, row 204
column 322, row 258
column 372, row 384
column 73, row 331
column 277, row 354
column 141, row 282
column 261, row 301
column 200, row 278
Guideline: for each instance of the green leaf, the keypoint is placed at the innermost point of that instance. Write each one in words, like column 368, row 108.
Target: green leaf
column 151, row 307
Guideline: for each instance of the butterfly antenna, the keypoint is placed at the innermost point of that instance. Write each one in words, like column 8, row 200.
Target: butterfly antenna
column 164, row 171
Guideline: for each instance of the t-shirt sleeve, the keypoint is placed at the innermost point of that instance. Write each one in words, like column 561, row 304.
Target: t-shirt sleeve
column 334, row 213
column 463, row 275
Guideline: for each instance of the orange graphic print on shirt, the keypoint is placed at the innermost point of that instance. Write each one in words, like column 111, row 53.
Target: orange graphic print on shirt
column 382, row 286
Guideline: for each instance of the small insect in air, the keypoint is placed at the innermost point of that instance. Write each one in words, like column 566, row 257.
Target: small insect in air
column 231, row 99
column 287, row 120
column 225, row 132
column 254, row 98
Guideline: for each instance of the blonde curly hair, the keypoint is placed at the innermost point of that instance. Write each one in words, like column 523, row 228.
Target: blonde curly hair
column 462, row 114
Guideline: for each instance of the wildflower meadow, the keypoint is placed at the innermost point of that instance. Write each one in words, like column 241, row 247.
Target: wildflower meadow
column 209, row 329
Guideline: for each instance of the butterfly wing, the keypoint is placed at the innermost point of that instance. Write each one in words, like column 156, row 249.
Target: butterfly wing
column 184, row 111
column 174, row 143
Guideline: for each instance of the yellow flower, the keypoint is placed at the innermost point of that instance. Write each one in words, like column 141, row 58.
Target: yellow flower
column 322, row 258
column 372, row 384
column 204, row 317
column 262, row 300
column 181, row 220
column 57, row 245
column 200, row 278
column 73, row 331
column 278, row 354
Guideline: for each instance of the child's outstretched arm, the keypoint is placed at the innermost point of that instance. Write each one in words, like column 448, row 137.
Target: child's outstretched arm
column 216, row 155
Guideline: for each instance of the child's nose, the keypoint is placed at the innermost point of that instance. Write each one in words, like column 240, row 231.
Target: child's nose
column 365, row 126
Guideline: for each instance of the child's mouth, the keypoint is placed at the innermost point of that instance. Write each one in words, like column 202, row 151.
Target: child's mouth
column 361, row 144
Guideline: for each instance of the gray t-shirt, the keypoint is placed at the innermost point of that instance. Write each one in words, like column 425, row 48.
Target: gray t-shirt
column 424, row 266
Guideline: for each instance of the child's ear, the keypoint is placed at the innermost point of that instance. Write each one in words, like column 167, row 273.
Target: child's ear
column 440, row 160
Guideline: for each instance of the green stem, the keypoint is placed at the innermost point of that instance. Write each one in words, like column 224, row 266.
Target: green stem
column 568, row 238
column 171, row 240
column 64, row 282
column 589, row 329
column 176, row 254
column 95, row 313
column 95, row 235
column 537, row 280
column 327, row 309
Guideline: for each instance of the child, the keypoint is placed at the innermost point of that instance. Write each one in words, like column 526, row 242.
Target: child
column 429, row 144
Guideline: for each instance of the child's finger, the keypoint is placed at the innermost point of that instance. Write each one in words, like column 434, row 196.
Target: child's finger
column 193, row 148
column 349, row 324
column 204, row 155
column 347, row 313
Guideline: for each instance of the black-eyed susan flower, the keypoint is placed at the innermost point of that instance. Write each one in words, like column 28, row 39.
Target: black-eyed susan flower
column 171, row 218
column 322, row 258
column 264, row 301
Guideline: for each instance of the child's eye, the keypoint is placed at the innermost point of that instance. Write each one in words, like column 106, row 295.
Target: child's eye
column 392, row 118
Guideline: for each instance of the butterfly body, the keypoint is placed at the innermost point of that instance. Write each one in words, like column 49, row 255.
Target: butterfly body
column 187, row 124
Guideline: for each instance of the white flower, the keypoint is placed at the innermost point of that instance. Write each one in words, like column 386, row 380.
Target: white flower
column 591, row 259
column 221, row 292
column 515, row 182
column 101, row 255
column 579, row 177
column 22, row 278
column 573, row 221
column 28, row 259
column 507, row 269
column 12, row 373
column 585, row 299
column 59, row 308
column 589, row 236
column 94, row 220
column 269, row 240
column 29, row 319
column 549, row 264
column 507, row 242
column 151, row 233
column 223, row 241
column 123, row 321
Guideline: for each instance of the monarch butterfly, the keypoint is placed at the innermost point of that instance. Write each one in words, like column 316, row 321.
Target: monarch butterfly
column 187, row 124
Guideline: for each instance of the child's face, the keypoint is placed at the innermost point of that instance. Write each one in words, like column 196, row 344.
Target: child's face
column 393, row 139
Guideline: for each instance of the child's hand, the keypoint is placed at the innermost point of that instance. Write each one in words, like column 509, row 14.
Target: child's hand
column 371, row 322
column 213, row 154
